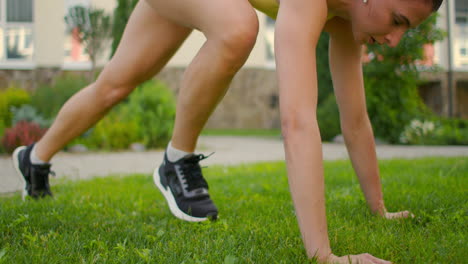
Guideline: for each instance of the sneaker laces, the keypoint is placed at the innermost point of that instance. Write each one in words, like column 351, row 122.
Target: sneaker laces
column 192, row 172
column 41, row 180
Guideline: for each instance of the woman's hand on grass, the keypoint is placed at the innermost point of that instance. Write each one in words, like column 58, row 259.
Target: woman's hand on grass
column 365, row 258
column 398, row 215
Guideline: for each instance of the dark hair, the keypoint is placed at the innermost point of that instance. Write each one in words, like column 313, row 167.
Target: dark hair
column 436, row 4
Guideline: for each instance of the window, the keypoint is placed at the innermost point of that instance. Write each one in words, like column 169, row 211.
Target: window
column 460, row 33
column 75, row 51
column 460, row 20
column 16, row 31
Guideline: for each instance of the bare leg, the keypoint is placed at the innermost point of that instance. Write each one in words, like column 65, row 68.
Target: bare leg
column 230, row 37
column 149, row 41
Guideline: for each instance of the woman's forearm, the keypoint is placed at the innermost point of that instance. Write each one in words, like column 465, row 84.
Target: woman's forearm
column 305, row 172
column 360, row 143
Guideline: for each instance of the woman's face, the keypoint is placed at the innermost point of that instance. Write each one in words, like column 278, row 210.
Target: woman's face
column 385, row 21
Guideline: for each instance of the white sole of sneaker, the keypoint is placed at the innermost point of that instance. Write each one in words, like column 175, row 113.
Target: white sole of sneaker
column 172, row 203
column 18, row 171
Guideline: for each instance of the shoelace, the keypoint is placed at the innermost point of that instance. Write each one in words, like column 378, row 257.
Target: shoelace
column 42, row 179
column 192, row 172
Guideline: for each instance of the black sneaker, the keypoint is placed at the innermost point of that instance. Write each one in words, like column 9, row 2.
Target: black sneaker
column 185, row 189
column 34, row 177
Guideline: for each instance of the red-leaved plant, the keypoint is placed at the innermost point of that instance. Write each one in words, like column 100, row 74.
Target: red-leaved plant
column 22, row 134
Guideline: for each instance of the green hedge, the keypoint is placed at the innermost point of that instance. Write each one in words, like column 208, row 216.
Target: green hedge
column 49, row 99
column 153, row 106
column 10, row 98
column 113, row 132
column 328, row 118
column 392, row 102
column 146, row 117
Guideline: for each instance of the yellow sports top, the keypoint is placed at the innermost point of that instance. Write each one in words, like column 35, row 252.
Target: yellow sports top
column 270, row 7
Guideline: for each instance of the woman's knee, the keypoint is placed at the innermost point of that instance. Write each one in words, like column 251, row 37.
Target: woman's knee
column 238, row 36
column 112, row 92
column 242, row 35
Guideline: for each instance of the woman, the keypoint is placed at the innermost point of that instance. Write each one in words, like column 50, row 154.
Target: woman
column 156, row 30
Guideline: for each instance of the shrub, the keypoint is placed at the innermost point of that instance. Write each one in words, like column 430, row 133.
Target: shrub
column 11, row 97
column 2, row 132
column 112, row 133
column 48, row 99
column 325, row 85
column 452, row 131
column 328, row 118
column 436, row 132
column 448, row 135
column 146, row 117
column 30, row 114
column 2, row 129
column 392, row 103
column 23, row 133
column 418, row 132
column 152, row 106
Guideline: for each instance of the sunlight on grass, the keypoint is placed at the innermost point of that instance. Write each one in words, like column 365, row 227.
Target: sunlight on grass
column 125, row 219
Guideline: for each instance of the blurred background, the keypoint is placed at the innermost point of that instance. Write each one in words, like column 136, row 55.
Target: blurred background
column 49, row 49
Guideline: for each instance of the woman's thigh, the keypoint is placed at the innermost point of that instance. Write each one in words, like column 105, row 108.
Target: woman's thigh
column 212, row 17
column 148, row 42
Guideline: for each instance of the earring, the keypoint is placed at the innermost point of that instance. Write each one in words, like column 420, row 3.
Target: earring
column 365, row 1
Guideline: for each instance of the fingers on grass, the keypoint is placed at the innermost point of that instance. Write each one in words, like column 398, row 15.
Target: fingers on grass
column 371, row 259
column 404, row 214
column 367, row 258
column 376, row 260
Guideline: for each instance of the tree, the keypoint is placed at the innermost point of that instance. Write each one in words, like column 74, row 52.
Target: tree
column 121, row 15
column 93, row 29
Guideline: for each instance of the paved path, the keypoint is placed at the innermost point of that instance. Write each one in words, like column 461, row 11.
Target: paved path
column 229, row 151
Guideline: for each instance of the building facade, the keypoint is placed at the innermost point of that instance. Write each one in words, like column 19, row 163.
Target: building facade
column 34, row 34
column 446, row 92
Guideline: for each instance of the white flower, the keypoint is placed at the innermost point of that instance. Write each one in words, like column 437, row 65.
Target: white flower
column 416, row 131
column 429, row 126
column 416, row 124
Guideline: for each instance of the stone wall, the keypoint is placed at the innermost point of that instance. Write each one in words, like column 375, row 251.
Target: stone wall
column 251, row 102
column 31, row 79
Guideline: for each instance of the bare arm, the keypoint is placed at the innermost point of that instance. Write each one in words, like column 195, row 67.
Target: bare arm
column 296, row 37
column 346, row 69
column 298, row 28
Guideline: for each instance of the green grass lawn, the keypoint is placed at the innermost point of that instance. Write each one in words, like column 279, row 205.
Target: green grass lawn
column 125, row 219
